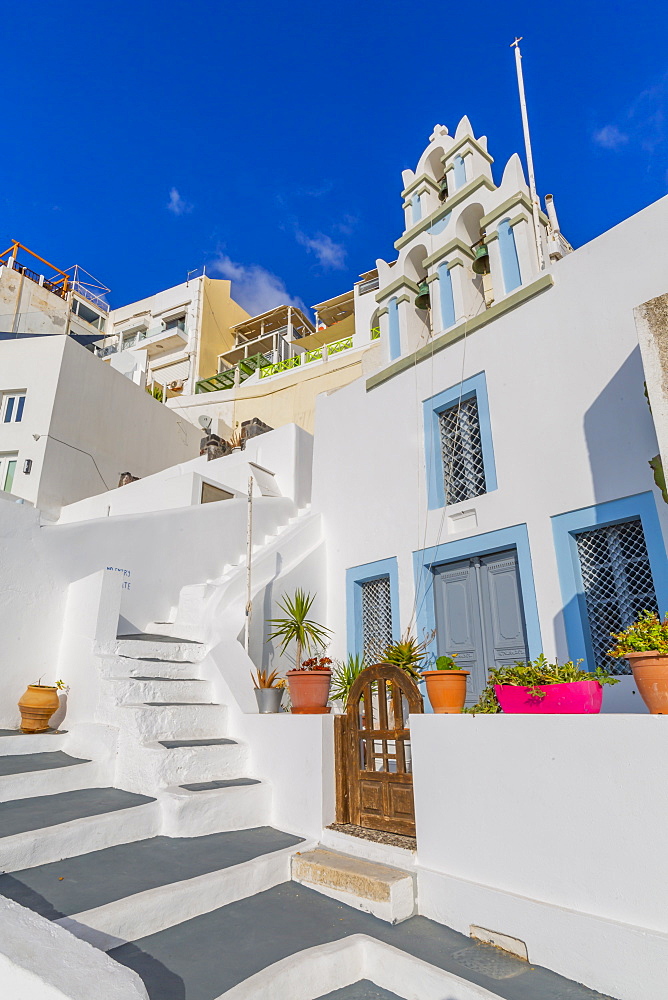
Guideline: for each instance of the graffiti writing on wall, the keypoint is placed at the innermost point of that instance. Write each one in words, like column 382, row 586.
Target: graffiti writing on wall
column 126, row 575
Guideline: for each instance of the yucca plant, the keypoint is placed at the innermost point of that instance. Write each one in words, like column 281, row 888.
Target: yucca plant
column 344, row 675
column 297, row 627
column 408, row 653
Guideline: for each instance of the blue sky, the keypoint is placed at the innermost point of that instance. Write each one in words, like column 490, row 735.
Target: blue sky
column 266, row 140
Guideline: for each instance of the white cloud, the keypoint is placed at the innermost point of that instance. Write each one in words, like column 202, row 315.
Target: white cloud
column 329, row 254
column 610, row 137
column 253, row 287
column 178, row 205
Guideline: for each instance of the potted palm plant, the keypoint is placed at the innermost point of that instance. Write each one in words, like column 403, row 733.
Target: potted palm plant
column 344, row 675
column 268, row 693
column 446, row 686
column 645, row 645
column 310, row 679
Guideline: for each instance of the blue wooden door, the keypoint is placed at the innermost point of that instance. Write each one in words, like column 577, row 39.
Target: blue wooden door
column 479, row 615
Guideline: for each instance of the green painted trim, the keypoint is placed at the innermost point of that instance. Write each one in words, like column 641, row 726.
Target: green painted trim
column 401, row 282
column 418, row 180
column 458, row 332
column 403, row 298
column 455, row 244
column 444, row 209
column 383, row 312
column 431, row 277
column 462, row 142
column 455, row 262
column 518, row 218
column 520, row 198
column 490, row 237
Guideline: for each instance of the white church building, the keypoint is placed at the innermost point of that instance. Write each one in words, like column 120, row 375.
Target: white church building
column 485, row 482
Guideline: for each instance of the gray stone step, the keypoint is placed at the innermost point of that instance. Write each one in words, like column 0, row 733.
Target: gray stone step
column 45, row 811
column 204, row 786
column 48, row 761
column 362, row 990
column 73, row 885
column 178, row 744
column 202, row 958
column 145, row 645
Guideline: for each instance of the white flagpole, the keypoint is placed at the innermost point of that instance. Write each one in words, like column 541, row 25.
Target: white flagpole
column 249, row 554
column 535, row 204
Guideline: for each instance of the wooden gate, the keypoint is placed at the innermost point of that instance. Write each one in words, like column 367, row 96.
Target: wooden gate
column 374, row 779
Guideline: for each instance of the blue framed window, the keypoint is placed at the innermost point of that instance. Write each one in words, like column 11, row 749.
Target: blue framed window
column 458, row 443
column 612, row 565
column 12, row 406
column 395, row 332
column 510, row 264
column 372, row 602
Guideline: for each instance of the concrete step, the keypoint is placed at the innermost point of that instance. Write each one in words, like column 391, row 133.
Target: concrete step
column 147, row 645
column 14, row 742
column 183, row 629
column 46, row 828
column 369, row 850
column 214, row 807
column 168, row 720
column 386, row 892
column 176, row 762
column 122, row 667
column 23, row 776
column 144, row 688
column 126, row 891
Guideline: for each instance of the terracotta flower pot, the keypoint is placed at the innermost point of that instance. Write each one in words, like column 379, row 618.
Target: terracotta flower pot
column 309, row 691
column 37, row 706
column 570, row 698
column 650, row 672
column 446, row 690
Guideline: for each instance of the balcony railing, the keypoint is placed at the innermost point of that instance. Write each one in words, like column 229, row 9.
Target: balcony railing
column 304, row 359
column 368, row 286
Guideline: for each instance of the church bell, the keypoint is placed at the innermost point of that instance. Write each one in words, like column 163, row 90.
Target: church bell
column 422, row 300
column 481, row 263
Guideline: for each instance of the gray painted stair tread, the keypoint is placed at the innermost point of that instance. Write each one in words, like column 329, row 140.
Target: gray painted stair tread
column 52, row 759
column 203, row 957
column 166, row 704
column 161, row 679
column 204, row 786
column 362, row 990
column 101, row 877
column 17, row 732
column 175, row 744
column 150, row 637
column 44, row 811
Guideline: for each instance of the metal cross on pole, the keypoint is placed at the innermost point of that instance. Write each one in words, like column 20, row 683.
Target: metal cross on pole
column 535, row 204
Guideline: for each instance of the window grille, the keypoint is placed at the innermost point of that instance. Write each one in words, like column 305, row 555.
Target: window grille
column 376, row 618
column 461, row 450
column 618, row 584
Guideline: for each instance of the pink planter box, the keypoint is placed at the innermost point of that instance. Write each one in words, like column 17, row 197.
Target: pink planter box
column 576, row 698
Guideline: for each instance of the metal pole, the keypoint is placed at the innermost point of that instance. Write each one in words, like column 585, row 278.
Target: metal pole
column 535, row 204
column 249, row 553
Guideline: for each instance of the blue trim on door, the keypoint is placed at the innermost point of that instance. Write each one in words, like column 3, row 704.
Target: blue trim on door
column 425, row 560
column 357, row 575
column 474, row 386
column 564, row 529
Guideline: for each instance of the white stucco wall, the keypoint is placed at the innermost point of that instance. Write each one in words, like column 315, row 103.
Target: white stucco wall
column 549, row 829
column 570, row 427
column 80, row 408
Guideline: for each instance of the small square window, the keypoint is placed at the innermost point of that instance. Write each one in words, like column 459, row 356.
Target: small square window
column 13, row 404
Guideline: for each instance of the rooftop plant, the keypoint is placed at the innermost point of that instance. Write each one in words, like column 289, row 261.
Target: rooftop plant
column 647, row 634
column 409, row 654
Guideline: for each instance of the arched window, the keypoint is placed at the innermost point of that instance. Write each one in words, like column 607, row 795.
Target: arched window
column 395, row 333
column 510, row 264
column 460, row 172
column 446, row 296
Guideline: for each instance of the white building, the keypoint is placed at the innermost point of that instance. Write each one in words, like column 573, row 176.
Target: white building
column 69, row 425
column 172, row 339
column 485, row 478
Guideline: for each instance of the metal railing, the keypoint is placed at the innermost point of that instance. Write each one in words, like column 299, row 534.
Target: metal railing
column 368, row 286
